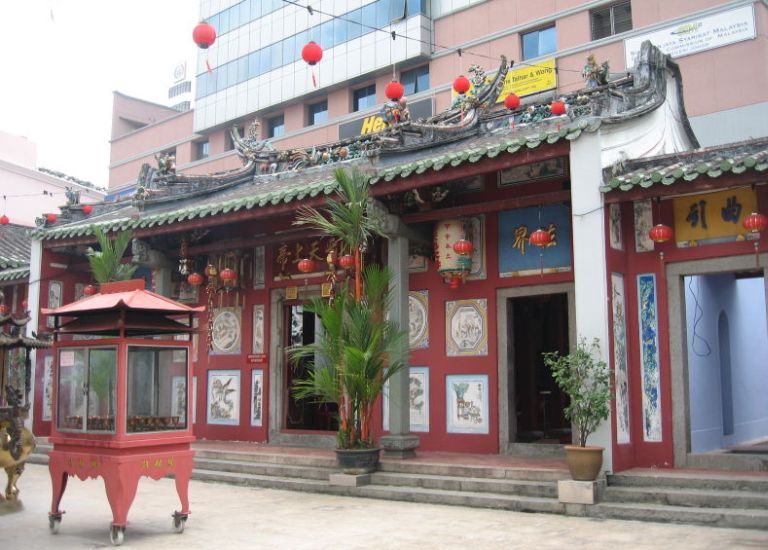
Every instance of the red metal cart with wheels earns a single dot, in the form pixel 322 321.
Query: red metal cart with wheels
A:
pixel 121 401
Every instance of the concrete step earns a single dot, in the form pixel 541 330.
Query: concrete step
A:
pixel 516 503
pixel 690 480
pixel 545 489
pixel 466 471
pixel 714 517
pixel 263 468
pixel 694 498
pixel 268 458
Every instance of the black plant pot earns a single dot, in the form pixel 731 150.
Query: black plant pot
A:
pixel 358 461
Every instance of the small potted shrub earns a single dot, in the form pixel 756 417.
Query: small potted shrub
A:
pixel 587 382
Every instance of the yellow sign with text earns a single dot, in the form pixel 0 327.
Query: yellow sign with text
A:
pixel 712 217
pixel 530 80
pixel 525 80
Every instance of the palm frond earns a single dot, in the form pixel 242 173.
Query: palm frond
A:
pixel 107 263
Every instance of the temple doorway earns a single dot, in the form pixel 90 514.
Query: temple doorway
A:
pixel 301 327
pixel 533 320
pixel 539 324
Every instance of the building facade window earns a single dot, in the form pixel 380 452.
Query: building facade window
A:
pixel 364 98
pixel 346 26
pixel 611 20
pixel 416 80
pixel 539 42
pixel 202 149
pixel 317 113
pixel 180 88
pixel 276 126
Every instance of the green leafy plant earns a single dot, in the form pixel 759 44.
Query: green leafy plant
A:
pixel 587 382
pixel 107 263
pixel 358 350
pixel 353 356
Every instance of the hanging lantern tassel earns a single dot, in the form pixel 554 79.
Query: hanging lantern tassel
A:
pixel 755 223
pixel 312 53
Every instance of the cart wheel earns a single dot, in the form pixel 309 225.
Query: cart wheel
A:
pixel 116 535
pixel 53 523
pixel 179 523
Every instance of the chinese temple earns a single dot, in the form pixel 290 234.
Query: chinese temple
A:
pixel 591 215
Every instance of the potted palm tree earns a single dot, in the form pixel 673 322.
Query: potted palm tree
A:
pixel 358 349
pixel 586 380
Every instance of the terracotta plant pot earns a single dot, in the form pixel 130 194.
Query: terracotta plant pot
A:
pixel 584 463
pixel 358 461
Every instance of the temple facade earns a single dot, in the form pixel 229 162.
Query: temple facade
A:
pixel 681 321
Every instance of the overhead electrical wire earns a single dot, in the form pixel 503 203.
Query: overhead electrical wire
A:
pixel 459 50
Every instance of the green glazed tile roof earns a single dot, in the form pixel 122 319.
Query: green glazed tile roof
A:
pixel 712 162
pixel 286 188
pixel 14 274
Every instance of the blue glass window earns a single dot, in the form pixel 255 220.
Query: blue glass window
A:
pixel 277 55
pixel 326 35
pixel 369 17
pixel 223 22
pixel 415 80
pixel 340 29
pixel 382 13
pixel 242 69
pixel 364 98
pixel 276 126
pixel 317 113
pixel 539 42
pixel 289 49
pixel 354 29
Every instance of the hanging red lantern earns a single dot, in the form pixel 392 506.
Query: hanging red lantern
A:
pixel 540 238
pixel 461 84
pixel 512 102
pixel 394 90
pixel 557 108
pixel 754 223
pixel 195 279
pixel 51 218
pixel 306 265
pixel 455 282
pixel 4 220
pixel 660 233
pixel 4 309
pixel 204 35
pixel 312 53
pixel 90 290
pixel 24 305
pixel 347 261
pixel 228 274
pixel 87 209
pixel 463 247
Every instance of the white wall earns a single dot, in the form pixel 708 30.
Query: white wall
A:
pixel 743 303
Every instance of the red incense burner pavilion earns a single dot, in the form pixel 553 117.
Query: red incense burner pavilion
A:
pixel 121 401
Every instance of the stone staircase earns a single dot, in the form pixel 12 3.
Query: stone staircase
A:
pixel 703 498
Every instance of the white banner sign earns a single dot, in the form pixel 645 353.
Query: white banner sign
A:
pixel 696 35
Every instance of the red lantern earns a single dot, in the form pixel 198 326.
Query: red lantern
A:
pixel 394 90
pixel 24 305
pixel 195 279
pixel 347 261
pixel 51 218
pixel 87 209
pixel 4 220
pixel 90 290
pixel 455 283
pixel 540 238
pixel 755 222
pixel 306 265
pixel 4 309
pixel 461 84
pixel 463 247
pixel 660 233
pixel 557 108
pixel 228 274
pixel 312 53
pixel 204 35
pixel 512 102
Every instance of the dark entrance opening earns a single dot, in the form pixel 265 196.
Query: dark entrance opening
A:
pixel 539 324
pixel 304 414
